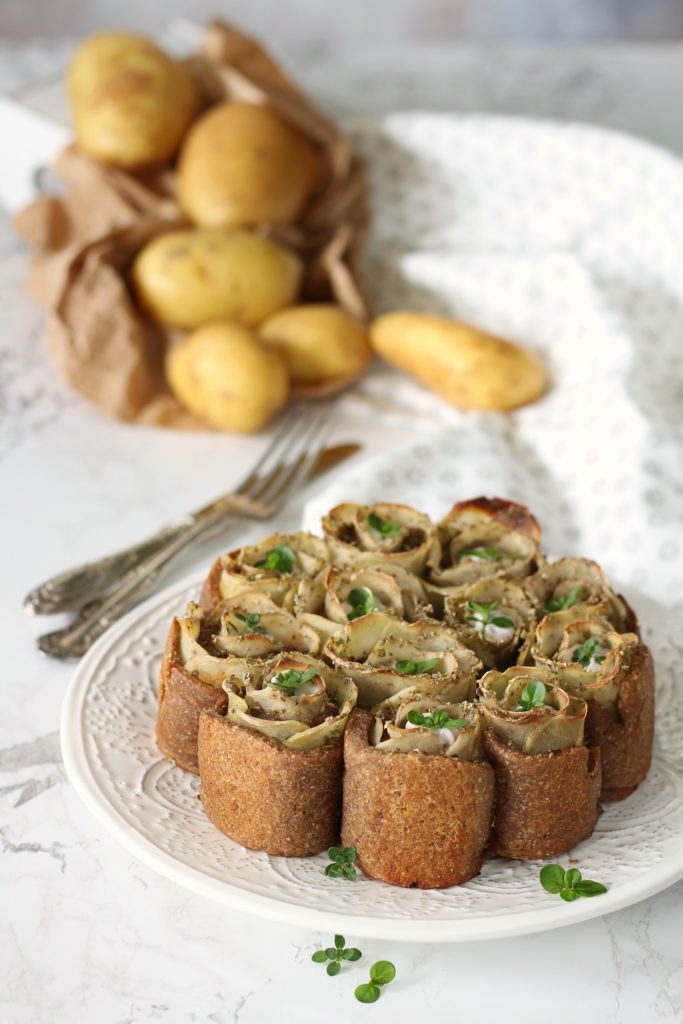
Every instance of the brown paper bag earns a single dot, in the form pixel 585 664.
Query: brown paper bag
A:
pixel 85 240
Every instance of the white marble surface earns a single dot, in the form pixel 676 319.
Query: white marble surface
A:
pixel 89 932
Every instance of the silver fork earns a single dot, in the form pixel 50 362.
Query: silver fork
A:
pixel 286 463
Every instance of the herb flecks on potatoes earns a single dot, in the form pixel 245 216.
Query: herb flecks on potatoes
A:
pixel 242 165
pixel 472 369
pixel 131 103
pixel 224 375
pixel 195 276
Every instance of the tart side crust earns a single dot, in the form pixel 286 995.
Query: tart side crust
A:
pixel 415 820
pixel 265 796
pixel 625 740
pixel 182 697
pixel 544 803
pixel 210 595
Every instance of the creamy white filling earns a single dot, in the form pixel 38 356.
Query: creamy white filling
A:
pixel 446 737
pixel 498 634
pixel 593 665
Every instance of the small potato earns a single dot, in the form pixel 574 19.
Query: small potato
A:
pixel 241 165
pixel 224 375
pixel 131 103
pixel 472 369
pixel 190 277
pixel 321 344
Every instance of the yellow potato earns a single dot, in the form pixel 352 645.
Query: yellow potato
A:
pixel 224 375
pixel 131 103
pixel 471 368
pixel 190 277
pixel 319 343
pixel 241 165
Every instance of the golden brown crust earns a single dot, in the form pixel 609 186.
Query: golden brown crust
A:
pixel 414 819
pixel 181 699
pixel 266 796
pixel 544 803
pixel 510 513
pixel 210 596
pixel 625 738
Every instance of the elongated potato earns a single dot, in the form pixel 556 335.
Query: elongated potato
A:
pixel 320 343
pixel 472 369
pixel 224 375
pixel 191 277
pixel 131 104
pixel 241 165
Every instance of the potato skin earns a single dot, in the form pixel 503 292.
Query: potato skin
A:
pixel 320 343
pixel 224 375
pixel 131 103
pixel 191 277
pixel 241 165
pixel 472 369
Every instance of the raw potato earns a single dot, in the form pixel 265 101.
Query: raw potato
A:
pixel 190 277
pixel 224 375
pixel 321 344
pixel 241 165
pixel 471 368
pixel 131 103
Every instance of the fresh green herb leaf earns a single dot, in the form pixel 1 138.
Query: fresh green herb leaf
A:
pixel 585 653
pixel 335 955
pixel 569 885
pixel 411 668
pixel 488 553
pixel 532 696
pixel 552 878
pixel 362 602
pixel 588 888
pixel 280 558
pixel 382 972
pixel 384 526
pixel 251 621
pixel 342 858
pixel 503 622
pixel 559 604
pixel 367 993
pixel 292 680
pixel 437 719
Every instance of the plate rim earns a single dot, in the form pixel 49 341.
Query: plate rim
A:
pixel 475 928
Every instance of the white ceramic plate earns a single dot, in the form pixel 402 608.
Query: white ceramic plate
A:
pixel 152 809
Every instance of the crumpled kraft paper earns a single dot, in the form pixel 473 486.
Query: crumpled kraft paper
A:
pixel 85 239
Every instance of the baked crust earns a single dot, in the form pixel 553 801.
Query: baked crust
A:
pixel 624 735
pixel 268 797
pixel 210 596
pixel 544 803
pixel 513 515
pixel 416 820
pixel 182 697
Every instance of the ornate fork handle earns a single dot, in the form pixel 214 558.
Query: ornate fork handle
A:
pixel 99 615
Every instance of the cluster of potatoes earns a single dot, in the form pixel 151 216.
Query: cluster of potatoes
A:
pixel 248 343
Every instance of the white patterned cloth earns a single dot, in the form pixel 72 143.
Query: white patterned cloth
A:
pixel 567 239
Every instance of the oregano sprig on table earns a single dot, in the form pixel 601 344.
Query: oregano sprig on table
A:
pixel 381 973
pixel 335 955
pixel 569 885
pixel 342 858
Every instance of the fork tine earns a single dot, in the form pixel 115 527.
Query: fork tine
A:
pixel 288 475
pixel 288 427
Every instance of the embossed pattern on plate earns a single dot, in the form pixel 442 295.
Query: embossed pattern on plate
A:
pixel 152 808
